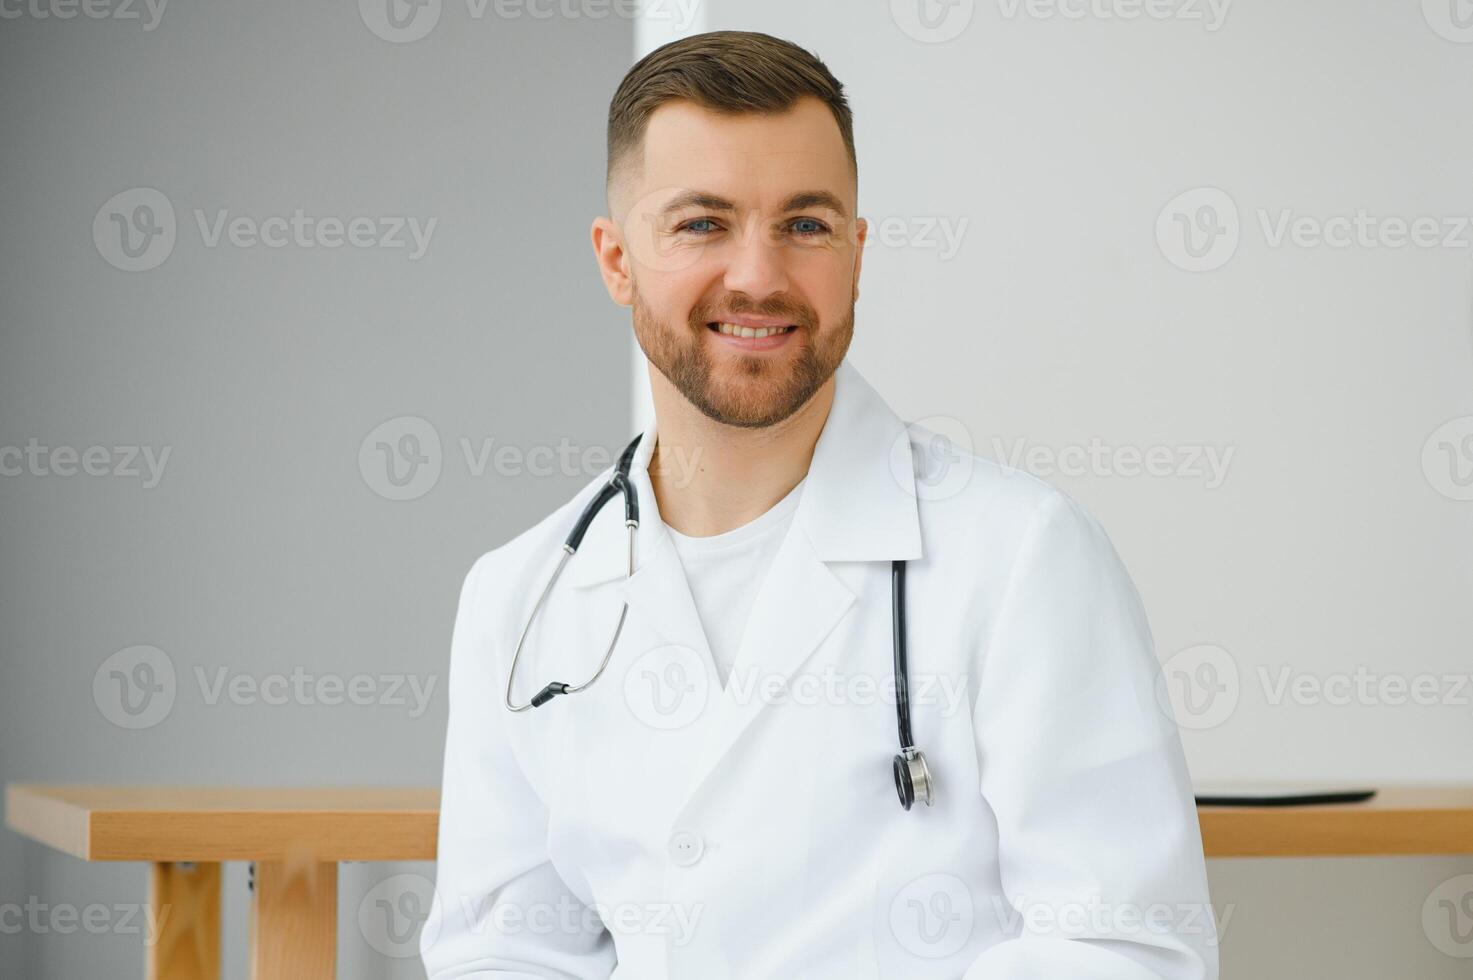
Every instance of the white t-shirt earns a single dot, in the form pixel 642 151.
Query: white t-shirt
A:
pixel 725 571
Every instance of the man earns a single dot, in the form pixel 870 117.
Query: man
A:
pixel 718 802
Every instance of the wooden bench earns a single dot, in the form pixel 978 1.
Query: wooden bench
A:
pixel 295 837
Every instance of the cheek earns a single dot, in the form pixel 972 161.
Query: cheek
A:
pixel 671 296
pixel 825 278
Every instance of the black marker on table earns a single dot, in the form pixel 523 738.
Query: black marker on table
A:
pixel 1281 796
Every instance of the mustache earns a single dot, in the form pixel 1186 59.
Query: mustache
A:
pixel 790 313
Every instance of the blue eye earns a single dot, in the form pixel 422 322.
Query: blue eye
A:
pixel 815 227
pixel 690 226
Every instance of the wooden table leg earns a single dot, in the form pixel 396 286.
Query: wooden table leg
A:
pixel 294 921
pixel 183 937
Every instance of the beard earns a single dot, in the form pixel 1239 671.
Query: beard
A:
pixel 750 391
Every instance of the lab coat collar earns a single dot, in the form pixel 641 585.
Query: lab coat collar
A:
pixel 859 503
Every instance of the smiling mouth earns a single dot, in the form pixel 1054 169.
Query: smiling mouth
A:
pixel 733 330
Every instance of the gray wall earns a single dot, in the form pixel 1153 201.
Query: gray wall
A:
pixel 264 549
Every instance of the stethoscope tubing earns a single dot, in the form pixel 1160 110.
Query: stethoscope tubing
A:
pixel 912 776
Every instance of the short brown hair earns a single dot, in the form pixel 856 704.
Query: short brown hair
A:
pixel 726 71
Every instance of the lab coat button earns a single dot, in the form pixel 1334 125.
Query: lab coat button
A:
pixel 686 847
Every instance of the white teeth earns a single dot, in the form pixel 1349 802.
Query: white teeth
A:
pixel 736 331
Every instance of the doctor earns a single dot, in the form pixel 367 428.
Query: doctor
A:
pixel 716 795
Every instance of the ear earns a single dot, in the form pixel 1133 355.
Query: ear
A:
pixel 613 260
pixel 861 232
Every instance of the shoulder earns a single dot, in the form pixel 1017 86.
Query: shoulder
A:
pixel 1004 529
pixel 961 491
pixel 501 578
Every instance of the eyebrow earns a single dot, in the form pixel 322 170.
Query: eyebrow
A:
pixel 796 202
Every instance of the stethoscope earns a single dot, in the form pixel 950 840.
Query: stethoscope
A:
pixel 912 776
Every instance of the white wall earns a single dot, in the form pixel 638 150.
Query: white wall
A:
pixel 1053 146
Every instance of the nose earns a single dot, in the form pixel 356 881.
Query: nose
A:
pixel 756 265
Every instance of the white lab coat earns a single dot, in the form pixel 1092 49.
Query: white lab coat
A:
pixel 658 825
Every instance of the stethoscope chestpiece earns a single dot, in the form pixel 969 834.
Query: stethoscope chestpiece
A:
pixel 912 778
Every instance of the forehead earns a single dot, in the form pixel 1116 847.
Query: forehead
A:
pixel 753 158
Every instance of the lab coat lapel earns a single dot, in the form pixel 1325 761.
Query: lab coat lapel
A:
pixel 660 598
pixel 859 504
pixel 799 603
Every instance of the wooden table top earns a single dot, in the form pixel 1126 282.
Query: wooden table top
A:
pixel 1426 819
pixel 144 823
pixel 166 823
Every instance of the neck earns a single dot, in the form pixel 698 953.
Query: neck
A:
pixel 710 478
